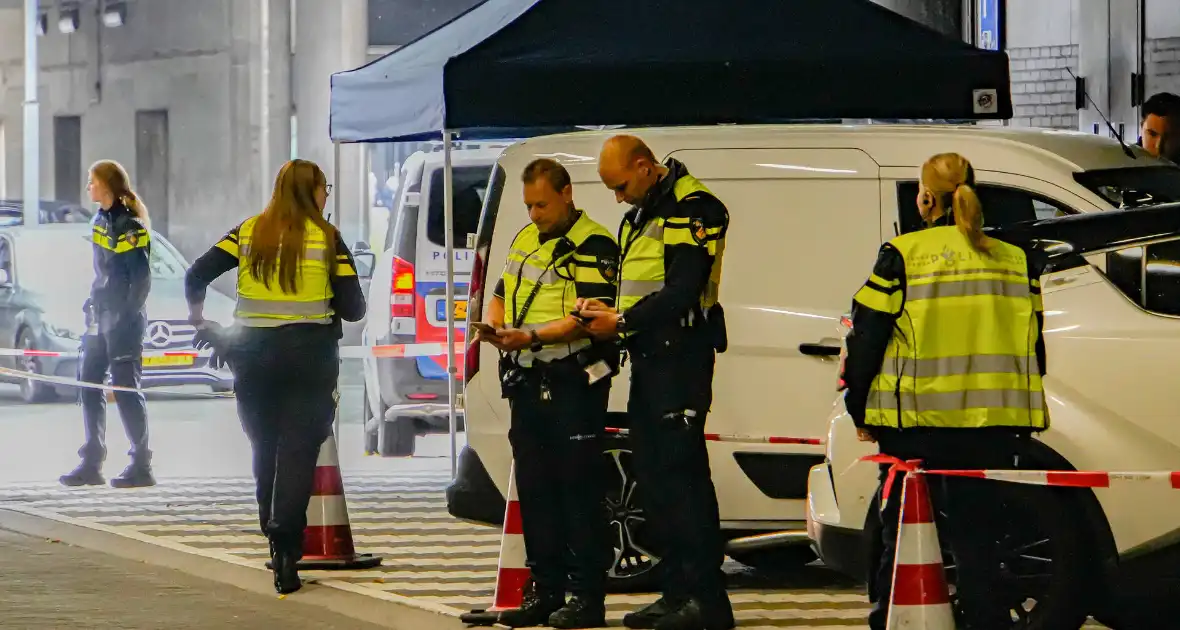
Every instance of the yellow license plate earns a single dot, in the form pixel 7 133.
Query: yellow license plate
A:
pixel 180 360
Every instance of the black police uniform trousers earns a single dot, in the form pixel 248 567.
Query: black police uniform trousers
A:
pixel 557 449
pixel 968 514
pixel 285 381
pixel 671 391
pixel 119 351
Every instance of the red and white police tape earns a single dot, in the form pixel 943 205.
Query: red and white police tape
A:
pixel 1056 478
pixel 743 439
pixel 348 352
pixel 395 351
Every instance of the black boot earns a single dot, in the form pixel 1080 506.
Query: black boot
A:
pixel 645 618
pixel 286 572
pixel 134 476
pixel 580 611
pixel 84 475
pixel 692 616
pixel 533 611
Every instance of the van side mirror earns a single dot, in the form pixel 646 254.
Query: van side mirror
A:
pixel 365 261
pixel 361 246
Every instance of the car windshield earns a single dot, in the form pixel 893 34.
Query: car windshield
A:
pixel 1134 187
pixel 73 251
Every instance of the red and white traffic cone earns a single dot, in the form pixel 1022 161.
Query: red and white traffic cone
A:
pixel 921 599
pixel 327 540
pixel 512 574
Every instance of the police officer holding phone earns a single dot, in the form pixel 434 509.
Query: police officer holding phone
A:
pixel 673 242
pixel 557 381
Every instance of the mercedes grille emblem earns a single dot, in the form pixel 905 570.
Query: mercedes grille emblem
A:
pixel 159 334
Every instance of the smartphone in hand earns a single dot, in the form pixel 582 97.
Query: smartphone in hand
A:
pixel 484 330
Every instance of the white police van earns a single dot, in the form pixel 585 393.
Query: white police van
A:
pixel 407 397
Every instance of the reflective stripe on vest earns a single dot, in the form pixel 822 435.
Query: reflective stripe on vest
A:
pixel 642 270
pixel 531 262
pixel 963 354
pixel 260 307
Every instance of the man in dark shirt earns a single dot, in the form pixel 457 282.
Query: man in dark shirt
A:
pixel 672 241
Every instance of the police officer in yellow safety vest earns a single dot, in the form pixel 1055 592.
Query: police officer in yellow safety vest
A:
pixel 296 281
pixel 557 381
pixel 944 364
pixel 672 241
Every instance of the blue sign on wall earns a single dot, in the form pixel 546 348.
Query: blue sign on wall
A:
pixel 987 20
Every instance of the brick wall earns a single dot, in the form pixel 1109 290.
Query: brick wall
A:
pixel 1042 90
pixel 1163 65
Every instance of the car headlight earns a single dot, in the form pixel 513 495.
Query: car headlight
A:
pixel 63 332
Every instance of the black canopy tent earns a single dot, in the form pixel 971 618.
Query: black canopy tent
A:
pixel 553 63
pixel 508 68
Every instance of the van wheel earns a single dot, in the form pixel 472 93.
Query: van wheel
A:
pixel 397 437
pixel 1045 564
pixel 635 556
pixel 786 558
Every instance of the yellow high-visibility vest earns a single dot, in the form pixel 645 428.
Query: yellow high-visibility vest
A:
pixel 259 306
pixel 531 263
pixel 642 269
pixel 963 352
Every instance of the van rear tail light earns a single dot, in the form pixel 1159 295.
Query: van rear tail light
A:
pixel 846 322
pixel 401 290
pixel 474 313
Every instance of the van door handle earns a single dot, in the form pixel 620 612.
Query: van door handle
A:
pixel 819 350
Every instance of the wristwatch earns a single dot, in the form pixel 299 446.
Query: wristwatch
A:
pixel 536 345
pixel 621 324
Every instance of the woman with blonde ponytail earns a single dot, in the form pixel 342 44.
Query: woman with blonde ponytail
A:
pixel 116 317
pixel 944 365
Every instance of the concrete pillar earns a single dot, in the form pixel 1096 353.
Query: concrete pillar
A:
pixel 329 37
pixel 944 16
pixel 1093 20
pixel 260 75
pixel 1126 58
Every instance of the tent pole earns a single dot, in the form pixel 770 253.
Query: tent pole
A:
pixel 336 222
pixel 449 240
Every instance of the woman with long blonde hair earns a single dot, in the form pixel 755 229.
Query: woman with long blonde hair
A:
pixel 944 365
pixel 116 317
pixel 296 281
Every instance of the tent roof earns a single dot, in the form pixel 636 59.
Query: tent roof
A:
pixel 511 67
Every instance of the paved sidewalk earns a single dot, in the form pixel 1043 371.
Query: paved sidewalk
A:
pixel 46 585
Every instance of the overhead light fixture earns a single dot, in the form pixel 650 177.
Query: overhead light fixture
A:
pixel 67 18
pixel 114 14
pixel 42 23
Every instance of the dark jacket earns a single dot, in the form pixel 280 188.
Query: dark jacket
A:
pixel 686 267
pixel 122 269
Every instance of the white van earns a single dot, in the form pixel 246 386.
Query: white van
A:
pixel 809 208
pixel 407 397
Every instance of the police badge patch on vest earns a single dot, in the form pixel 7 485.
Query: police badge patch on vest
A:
pixel 699 233
pixel 610 269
